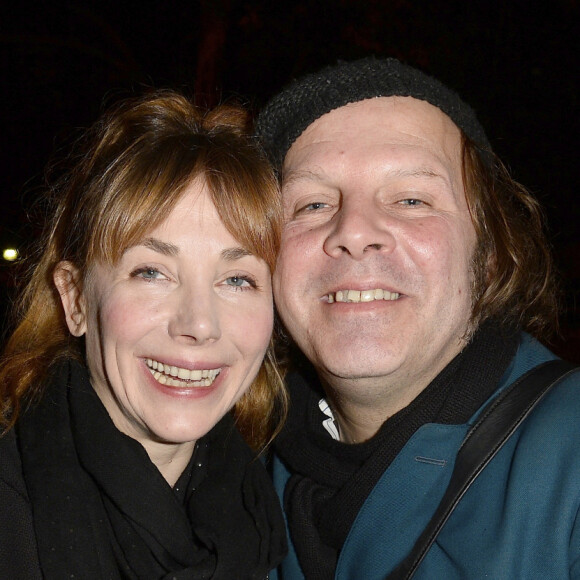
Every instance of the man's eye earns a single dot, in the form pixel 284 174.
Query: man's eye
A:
pixel 411 201
pixel 312 207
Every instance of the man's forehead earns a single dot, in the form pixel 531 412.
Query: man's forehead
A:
pixel 367 124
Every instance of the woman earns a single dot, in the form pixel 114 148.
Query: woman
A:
pixel 144 323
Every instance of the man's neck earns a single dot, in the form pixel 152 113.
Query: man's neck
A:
pixel 362 404
pixel 360 413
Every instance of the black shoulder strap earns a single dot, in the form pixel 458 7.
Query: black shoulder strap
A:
pixel 494 427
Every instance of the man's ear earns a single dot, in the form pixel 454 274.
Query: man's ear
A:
pixel 67 281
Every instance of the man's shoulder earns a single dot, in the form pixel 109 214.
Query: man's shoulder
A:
pixel 556 419
pixel 529 354
pixel 559 410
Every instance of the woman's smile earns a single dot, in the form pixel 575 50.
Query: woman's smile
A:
pixel 174 376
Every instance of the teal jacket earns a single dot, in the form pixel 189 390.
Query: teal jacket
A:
pixel 519 520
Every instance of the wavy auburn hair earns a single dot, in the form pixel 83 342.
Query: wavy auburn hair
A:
pixel 129 171
pixel 514 279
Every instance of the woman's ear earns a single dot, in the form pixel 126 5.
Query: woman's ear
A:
pixel 67 281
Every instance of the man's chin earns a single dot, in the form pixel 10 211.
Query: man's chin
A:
pixel 348 371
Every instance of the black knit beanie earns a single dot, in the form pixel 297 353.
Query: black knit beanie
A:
pixel 290 112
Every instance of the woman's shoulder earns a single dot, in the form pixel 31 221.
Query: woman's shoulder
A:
pixel 18 553
pixel 11 478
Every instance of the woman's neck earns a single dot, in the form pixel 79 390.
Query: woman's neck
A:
pixel 171 459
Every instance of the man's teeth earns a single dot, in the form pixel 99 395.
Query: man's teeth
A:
pixel 362 295
pixel 173 376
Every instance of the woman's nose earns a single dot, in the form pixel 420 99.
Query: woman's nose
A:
pixel 195 316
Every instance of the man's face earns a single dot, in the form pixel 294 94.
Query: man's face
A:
pixel 374 276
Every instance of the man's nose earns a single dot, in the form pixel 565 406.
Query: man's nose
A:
pixel 195 316
pixel 359 228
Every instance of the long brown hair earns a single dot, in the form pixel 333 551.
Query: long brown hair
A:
pixel 514 279
pixel 128 173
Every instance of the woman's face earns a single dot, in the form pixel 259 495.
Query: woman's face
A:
pixel 176 331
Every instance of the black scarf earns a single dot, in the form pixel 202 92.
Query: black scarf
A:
pixel 331 480
pixel 102 509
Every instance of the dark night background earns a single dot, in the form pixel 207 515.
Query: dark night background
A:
pixel 515 62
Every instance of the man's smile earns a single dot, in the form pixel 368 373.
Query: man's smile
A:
pixel 361 295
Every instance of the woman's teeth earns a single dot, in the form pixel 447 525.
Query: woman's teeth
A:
pixel 362 295
pixel 173 376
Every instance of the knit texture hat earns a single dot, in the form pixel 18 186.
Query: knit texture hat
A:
pixel 290 112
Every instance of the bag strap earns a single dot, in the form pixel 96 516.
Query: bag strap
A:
pixel 497 423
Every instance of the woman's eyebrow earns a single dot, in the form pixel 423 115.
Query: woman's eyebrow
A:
pixel 233 254
pixel 167 249
pixel 157 245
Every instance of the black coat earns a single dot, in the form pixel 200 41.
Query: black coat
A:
pixel 102 509
pixel 18 554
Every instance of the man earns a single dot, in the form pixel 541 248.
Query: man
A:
pixel 412 276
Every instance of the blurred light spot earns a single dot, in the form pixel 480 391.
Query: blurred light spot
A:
pixel 10 254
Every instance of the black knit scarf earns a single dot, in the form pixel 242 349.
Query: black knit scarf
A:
pixel 102 510
pixel 331 480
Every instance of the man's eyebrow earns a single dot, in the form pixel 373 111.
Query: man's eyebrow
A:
pixel 418 172
pixel 319 175
pixel 157 245
pixel 290 176
pixel 233 254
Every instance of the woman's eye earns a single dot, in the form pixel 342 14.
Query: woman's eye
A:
pixel 147 273
pixel 315 205
pixel 241 282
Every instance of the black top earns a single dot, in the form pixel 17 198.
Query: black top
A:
pixel 103 510
pixel 18 556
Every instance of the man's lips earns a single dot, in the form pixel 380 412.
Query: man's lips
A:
pixel 361 295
